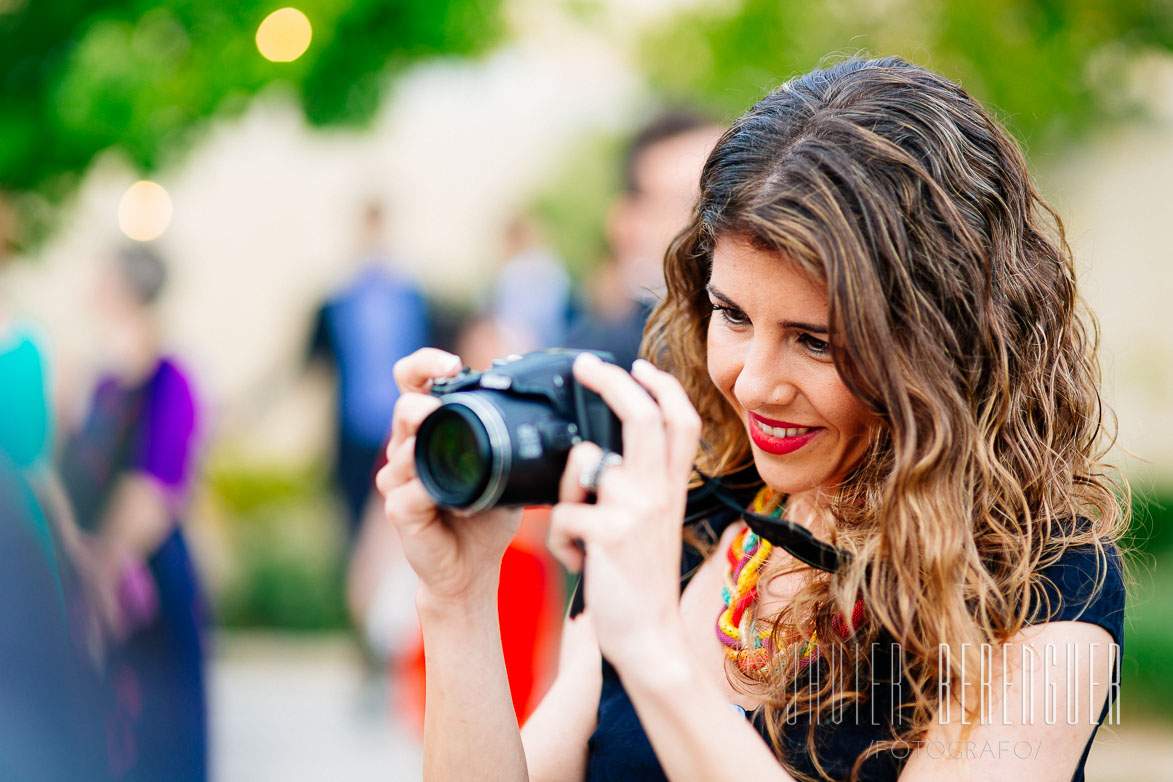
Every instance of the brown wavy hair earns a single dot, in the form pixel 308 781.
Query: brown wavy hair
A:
pixel 956 319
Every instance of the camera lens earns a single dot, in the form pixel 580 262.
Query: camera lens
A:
pixel 462 453
pixel 454 455
pixel 501 437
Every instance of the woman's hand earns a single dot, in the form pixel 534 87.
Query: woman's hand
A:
pixel 631 538
pixel 456 557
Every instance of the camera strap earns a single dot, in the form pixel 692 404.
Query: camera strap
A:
pixel 794 538
pixel 734 492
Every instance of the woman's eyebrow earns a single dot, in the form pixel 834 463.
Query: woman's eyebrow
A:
pixel 716 294
pixel 786 324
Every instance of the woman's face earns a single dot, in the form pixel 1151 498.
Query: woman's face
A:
pixel 769 355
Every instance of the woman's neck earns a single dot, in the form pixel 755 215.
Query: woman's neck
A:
pixel 138 349
pixel 809 509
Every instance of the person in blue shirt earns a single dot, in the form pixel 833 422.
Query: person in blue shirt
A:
pixel 872 331
pixel 376 318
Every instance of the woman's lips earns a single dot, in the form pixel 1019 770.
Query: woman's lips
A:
pixel 779 437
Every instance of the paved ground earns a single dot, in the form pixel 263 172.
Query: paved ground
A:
pixel 294 709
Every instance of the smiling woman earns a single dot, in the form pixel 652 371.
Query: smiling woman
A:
pixel 778 376
pixel 871 330
pixel 870 257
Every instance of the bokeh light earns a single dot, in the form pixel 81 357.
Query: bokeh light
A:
pixel 284 35
pixel 144 211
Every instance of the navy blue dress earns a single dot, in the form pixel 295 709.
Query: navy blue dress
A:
pixel 619 749
pixel 157 711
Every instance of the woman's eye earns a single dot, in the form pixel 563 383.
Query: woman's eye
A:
pixel 731 316
pixel 816 346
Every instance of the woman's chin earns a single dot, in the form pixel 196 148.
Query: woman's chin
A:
pixel 783 480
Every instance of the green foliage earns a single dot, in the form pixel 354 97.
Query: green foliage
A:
pixel 575 201
pixel 1050 68
pixel 285 535
pixel 1152 523
pixel 1147 678
pixel 289 575
pixel 241 490
pixel 144 76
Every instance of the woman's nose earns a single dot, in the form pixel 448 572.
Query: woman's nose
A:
pixel 765 378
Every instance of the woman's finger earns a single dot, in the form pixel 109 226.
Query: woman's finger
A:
pixel 570 525
pixel 383 480
pixel 410 507
pixel 582 456
pixel 682 424
pixel 400 467
pixel 410 411
pixel 643 424
pixel 414 373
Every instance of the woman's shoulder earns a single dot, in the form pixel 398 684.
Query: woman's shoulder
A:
pixel 170 371
pixel 1082 582
pixel 171 388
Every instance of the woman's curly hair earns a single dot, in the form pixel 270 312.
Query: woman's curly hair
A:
pixel 955 318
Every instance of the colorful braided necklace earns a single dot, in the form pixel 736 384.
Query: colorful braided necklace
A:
pixel 745 643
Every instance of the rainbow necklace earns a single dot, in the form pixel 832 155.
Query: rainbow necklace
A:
pixel 745 643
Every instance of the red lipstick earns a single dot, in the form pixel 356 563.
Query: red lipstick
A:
pixel 771 443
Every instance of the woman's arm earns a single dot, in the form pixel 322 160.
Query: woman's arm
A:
pixel 696 733
pixel 470 731
pixel 138 517
pixel 469 707
pixel 630 554
pixel 556 734
pixel 1040 709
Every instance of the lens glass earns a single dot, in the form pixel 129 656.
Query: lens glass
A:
pixel 455 457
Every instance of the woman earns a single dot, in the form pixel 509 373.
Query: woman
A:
pixel 875 316
pixel 128 470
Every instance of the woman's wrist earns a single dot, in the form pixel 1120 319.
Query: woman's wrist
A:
pixel 656 658
pixel 662 679
pixel 471 600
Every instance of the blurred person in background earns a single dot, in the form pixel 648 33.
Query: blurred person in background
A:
pixel 35 657
pixel 52 713
pixel 531 597
pixel 26 436
pixel 531 295
pixel 51 645
pixel 378 316
pixel 25 431
pixel 128 470
pixel 661 168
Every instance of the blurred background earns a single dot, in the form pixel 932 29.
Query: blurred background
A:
pixel 213 215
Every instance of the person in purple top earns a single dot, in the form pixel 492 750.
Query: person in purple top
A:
pixel 128 470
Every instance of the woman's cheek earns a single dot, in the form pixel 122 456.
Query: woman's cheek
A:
pixel 850 417
pixel 725 361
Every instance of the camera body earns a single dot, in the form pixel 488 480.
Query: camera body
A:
pixel 501 437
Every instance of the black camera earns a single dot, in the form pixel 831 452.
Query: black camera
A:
pixel 501 437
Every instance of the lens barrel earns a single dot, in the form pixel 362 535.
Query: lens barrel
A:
pixel 462 452
pixel 485 448
pixel 502 436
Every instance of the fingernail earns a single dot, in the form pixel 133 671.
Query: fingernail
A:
pixel 641 365
pixel 587 358
pixel 451 363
